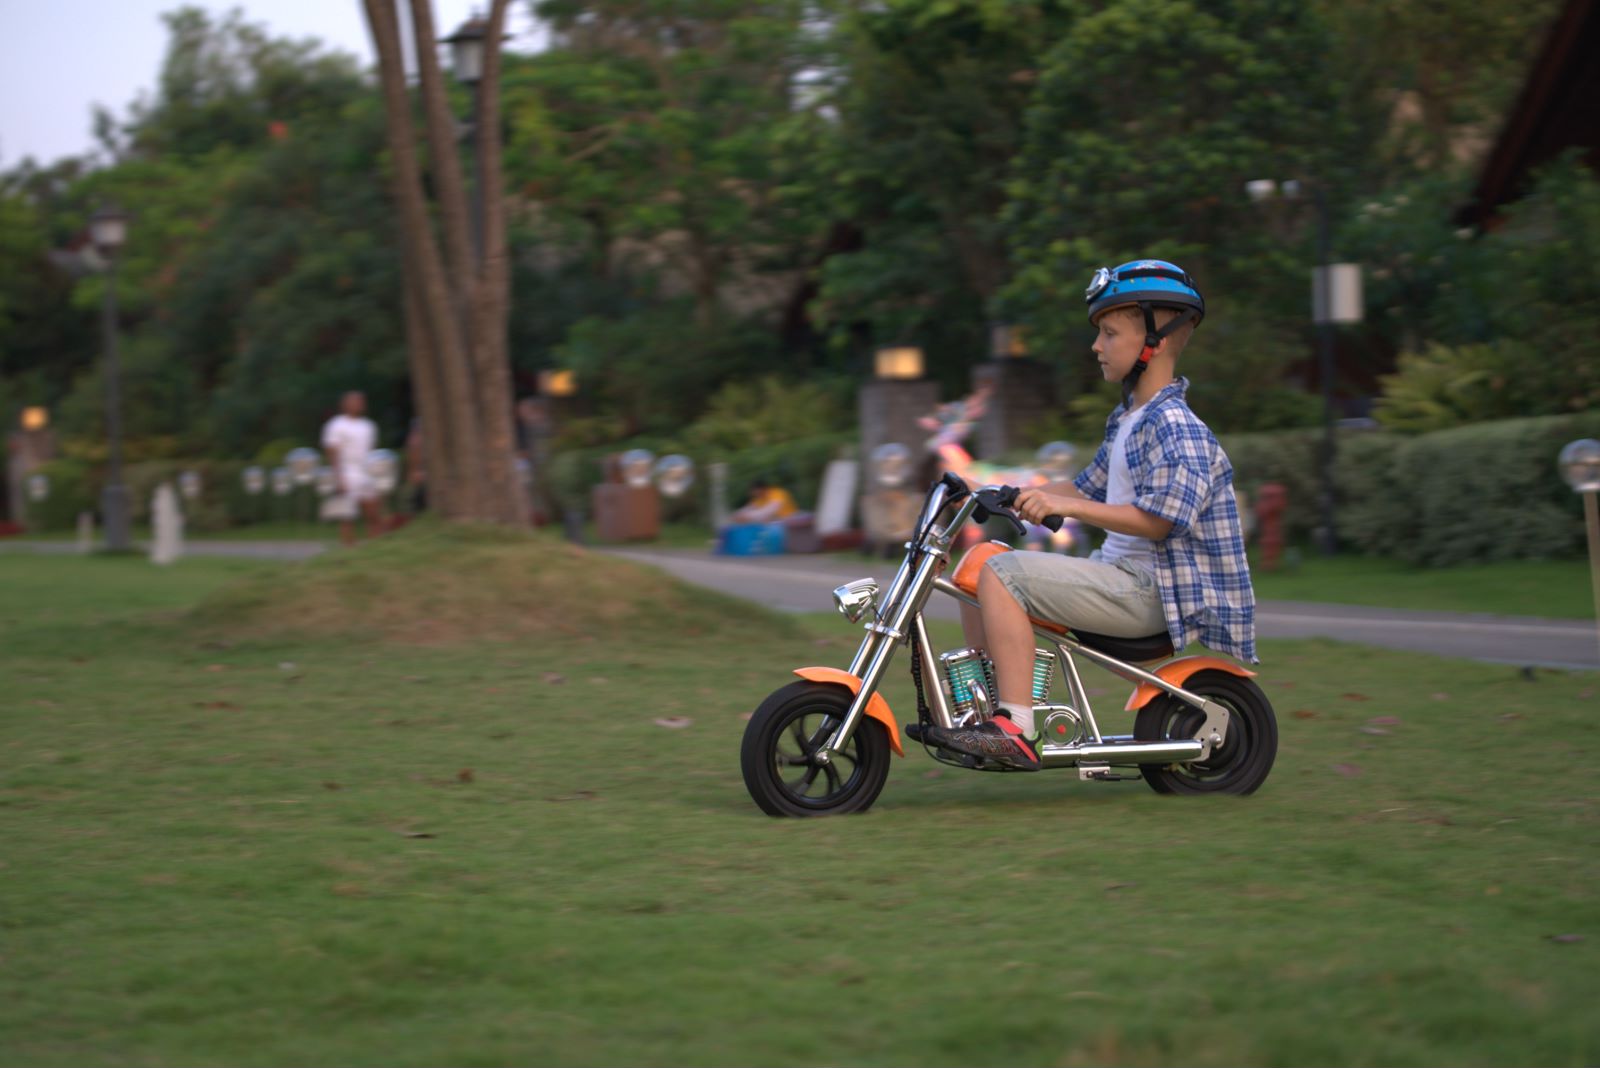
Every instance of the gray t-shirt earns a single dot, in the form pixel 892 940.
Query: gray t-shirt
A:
pixel 1119 490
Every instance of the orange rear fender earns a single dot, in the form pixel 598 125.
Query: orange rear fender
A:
pixel 1177 672
pixel 877 707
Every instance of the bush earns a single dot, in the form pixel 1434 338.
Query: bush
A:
pixel 75 487
pixel 1472 494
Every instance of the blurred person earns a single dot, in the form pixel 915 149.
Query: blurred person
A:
pixel 533 426
pixel 416 467
pixel 348 439
pixel 769 502
pixel 1160 486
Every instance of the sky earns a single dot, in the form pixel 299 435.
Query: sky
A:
pixel 59 58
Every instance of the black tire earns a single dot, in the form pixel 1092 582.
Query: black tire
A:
pixel 786 729
pixel 1240 765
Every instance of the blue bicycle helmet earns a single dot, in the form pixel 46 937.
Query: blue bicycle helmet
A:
pixel 1147 285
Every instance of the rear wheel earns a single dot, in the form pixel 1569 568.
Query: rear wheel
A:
pixel 780 744
pixel 1240 764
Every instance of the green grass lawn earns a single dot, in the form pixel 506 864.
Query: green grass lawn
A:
pixel 226 846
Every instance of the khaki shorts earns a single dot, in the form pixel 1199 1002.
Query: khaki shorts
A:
pixel 1118 600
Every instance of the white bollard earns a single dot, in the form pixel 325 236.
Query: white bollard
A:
pixel 167 518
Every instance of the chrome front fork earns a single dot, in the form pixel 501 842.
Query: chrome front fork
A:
pixel 878 648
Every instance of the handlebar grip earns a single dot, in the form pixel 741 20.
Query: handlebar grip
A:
pixel 1052 523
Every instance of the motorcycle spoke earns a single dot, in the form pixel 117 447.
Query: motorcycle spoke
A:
pixel 799 733
pixel 803 786
pixel 834 782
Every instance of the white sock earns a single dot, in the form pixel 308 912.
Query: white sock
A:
pixel 1021 715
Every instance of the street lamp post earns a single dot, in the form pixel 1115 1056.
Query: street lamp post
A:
pixel 108 229
pixel 1580 468
pixel 466 64
pixel 1335 298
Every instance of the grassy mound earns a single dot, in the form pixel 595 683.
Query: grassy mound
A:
pixel 435 583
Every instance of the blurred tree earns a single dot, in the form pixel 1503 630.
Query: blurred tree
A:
pixel 930 101
pixel 1149 118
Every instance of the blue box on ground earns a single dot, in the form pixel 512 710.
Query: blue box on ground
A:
pixel 751 539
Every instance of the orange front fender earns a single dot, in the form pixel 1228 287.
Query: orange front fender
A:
pixel 1177 672
pixel 877 707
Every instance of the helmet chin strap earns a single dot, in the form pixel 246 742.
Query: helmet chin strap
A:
pixel 1152 341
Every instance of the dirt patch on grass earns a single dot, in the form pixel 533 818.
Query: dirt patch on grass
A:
pixel 437 584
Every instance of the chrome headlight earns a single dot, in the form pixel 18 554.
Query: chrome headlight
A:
pixel 855 599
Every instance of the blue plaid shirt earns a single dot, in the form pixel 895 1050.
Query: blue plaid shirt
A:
pixel 1181 474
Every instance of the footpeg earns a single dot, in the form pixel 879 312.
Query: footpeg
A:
pixel 1100 773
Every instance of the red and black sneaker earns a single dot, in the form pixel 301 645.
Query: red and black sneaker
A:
pixel 998 740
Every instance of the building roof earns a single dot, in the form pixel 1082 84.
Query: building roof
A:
pixel 1558 109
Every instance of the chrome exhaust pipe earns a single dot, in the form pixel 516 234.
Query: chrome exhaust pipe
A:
pixel 1116 751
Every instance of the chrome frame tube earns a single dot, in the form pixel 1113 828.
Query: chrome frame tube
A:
pixel 1080 696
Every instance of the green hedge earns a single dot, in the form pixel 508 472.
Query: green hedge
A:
pixel 223 503
pixel 1472 494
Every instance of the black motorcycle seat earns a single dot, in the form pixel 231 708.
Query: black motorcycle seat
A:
pixel 1150 647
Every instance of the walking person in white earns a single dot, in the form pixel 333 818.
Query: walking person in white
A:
pixel 347 439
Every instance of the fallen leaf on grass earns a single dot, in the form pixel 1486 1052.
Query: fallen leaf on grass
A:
pixel 288 665
pixel 1440 696
pixel 580 795
pixel 1511 715
pixel 933 773
pixel 414 834
pixel 674 723
pixel 554 678
pixel 1373 730
pixel 1355 697
pixel 599 680
pixel 1349 771
pixel 332 786
pixel 1303 713
pixel 747 716
pixel 1491 891
pixel 217 705
pixel 464 775
pixel 1118 886
pixel 216 667
pixel 1565 939
pixel 1385 721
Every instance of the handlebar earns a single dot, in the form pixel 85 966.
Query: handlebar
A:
pixel 1001 501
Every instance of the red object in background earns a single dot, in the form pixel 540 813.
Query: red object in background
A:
pixel 1271 500
pixel 8 529
pixel 278 130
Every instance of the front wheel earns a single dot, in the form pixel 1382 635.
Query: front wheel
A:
pixel 780 742
pixel 1240 764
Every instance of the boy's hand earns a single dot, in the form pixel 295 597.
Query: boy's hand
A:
pixel 1035 504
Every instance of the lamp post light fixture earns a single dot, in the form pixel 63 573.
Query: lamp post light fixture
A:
pixel 35 418
pixel 466 50
pixel 108 231
pixel 901 362
pixel 557 383
pixel 1580 468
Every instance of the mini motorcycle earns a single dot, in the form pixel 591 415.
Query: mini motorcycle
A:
pixel 821 746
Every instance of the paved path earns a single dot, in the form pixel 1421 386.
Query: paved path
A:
pixel 805 584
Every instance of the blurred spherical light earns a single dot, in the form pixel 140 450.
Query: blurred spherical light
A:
pixel 189 485
pixel 327 482
pixel 890 465
pixel 282 481
pixel 1580 465
pixel 254 478
pixel 635 465
pixel 383 467
pixel 302 464
pixel 674 475
pixel 1054 460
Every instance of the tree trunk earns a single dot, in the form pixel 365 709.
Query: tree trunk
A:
pixel 456 320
